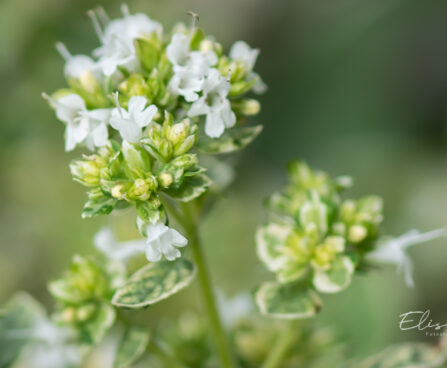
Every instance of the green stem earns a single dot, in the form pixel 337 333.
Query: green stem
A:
pixel 282 346
pixel 165 355
pixel 189 223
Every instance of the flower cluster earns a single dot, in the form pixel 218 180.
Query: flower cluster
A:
pixel 83 295
pixel 315 234
pixel 146 103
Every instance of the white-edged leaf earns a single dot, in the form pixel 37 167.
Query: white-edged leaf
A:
pixel 287 301
pixel 132 347
pixel 154 282
pixel 268 239
pixel 232 140
pixel 337 278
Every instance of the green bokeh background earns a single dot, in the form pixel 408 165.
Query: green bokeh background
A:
pixel 356 87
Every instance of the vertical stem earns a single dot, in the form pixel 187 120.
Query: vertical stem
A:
pixel 281 348
pixel 206 291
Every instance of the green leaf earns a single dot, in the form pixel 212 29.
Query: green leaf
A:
pixel 287 301
pixel 148 51
pixel 97 206
pixel 415 355
pixel 191 188
pixel 337 278
pixel 197 37
pixel 136 158
pixel 19 314
pixel 232 140
pixel 269 239
pixel 96 328
pixel 132 346
pixel 154 282
pixel 148 213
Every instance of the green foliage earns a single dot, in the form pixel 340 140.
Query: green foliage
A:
pixel 287 301
pixel 132 346
pixel 83 295
pixel 415 355
pixel 316 237
pixel 231 141
pixel 154 282
pixel 17 319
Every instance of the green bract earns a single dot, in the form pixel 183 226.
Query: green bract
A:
pixel 316 238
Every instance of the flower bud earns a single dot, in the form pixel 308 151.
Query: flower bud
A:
pixel 118 191
pixel 250 107
pixel 86 172
pixel 85 312
pixel 178 132
pixel 165 179
pixel 357 233
pixel 68 315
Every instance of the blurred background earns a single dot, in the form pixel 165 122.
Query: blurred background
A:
pixel 355 87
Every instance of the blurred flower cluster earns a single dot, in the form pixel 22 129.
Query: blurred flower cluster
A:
pixel 314 233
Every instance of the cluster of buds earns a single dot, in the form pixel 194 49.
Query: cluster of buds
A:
pixel 316 234
pixel 83 295
pixel 144 102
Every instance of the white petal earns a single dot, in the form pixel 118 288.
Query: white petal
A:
pixel 199 107
pixel 153 251
pixel 177 239
pixel 145 117
pixel 214 125
pixel 67 107
pixel 170 252
pixel 155 231
pixel 136 104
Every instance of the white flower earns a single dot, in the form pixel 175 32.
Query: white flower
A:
pixel 394 251
pixel 49 346
pixel 190 67
pixel 247 56
pixel 163 240
pixel 215 105
pixel 117 39
pixel 106 242
pixel 235 308
pixel 130 123
pixel 77 66
pixel 82 125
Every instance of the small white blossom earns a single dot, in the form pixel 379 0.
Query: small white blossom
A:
pixel 130 122
pixel 162 240
pixel 77 66
pixel 117 40
pixel 234 309
pixel 106 242
pixel 215 105
pixel 190 67
pixel 394 251
pixel 82 125
pixel 49 346
pixel 243 53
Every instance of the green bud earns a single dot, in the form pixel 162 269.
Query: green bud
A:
pixel 357 233
pixel 250 107
pixel 135 85
pixel 68 315
pixel 140 190
pixel 86 172
pixel 85 312
pixel 165 179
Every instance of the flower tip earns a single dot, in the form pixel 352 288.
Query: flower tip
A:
pixel 44 96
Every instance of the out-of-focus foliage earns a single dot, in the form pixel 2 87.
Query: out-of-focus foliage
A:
pixel 355 87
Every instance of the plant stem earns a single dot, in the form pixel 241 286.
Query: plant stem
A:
pixel 282 346
pixel 155 347
pixel 208 298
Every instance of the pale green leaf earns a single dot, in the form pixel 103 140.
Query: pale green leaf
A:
pixel 269 239
pixel 287 301
pixel 336 278
pixel 232 140
pixel 409 355
pixel 191 188
pixel 98 206
pixel 154 282
pixel 96 328
pixel 18 315
pixel 132 347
